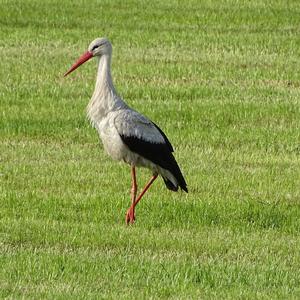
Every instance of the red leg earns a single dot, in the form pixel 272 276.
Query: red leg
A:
pixel 145 189
pixel 133 205
pixel 130 213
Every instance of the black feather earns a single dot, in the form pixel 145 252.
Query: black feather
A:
pixel 165 138
pixel 158 153
pixel 170 185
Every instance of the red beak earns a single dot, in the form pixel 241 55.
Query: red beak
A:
pixel 82 59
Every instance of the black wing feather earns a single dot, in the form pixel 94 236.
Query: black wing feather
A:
pixel 158 153
pixel 165 138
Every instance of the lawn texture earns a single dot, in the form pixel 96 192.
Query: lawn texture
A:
pixel 222 79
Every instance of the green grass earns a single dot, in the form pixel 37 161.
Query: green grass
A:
pixel 222 80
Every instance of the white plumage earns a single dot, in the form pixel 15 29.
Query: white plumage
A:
pixel 126 134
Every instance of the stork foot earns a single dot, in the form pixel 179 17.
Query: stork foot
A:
pixel 130 217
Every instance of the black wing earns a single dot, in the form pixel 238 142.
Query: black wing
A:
pixel 165 138
pixel 160 154
pixel 146 139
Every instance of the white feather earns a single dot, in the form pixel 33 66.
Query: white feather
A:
pixel 130 123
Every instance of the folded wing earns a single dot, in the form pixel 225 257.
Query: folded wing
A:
pixel 146 139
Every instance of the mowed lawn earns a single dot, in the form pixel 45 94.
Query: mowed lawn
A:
pixel 222 79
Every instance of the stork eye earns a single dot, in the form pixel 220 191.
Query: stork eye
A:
pixel 95 47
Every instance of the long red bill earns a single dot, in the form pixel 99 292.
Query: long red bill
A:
pixel 82 59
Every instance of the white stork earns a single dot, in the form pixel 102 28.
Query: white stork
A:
pixel 126 134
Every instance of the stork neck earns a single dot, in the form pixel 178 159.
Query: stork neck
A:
pixel 104 82
pixel 105 98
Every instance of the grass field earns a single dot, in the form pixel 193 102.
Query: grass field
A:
pixel 222 80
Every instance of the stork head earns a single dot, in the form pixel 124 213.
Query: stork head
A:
pixel 98 47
